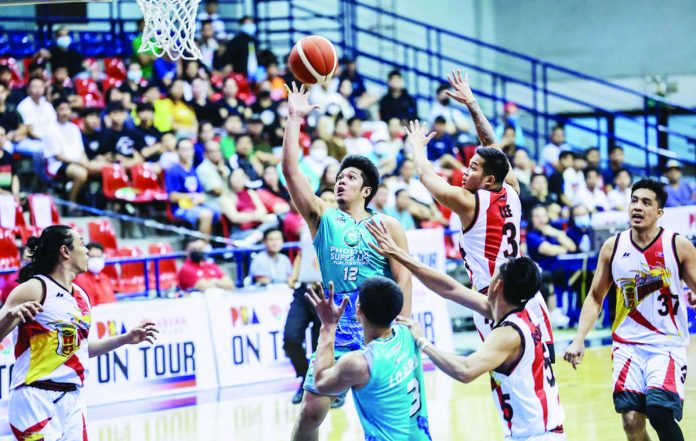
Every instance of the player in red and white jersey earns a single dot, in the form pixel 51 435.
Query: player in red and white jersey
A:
pixel 519 361
pixel 646 264
pixel 51 319
pixel 488 204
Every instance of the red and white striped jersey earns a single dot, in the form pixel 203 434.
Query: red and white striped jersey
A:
pixel 527 396
pixel 651 306
pixel 53 348
pixel 492 238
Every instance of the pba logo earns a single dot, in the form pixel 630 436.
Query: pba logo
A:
pixel 110 328
pixel 352 237
pixel 243 316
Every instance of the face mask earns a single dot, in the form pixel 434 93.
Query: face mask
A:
pixel 63 41
pixel 196 256
pixel 583 221
pixel 248 28
pixel 135 76
pixel 95 265
pixel 318 154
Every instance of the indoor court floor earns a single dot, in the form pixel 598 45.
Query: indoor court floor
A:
pixel 457 411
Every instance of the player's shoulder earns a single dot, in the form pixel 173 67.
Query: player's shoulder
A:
pixel 33 290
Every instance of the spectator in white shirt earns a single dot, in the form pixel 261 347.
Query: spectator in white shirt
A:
pixel 331 101
pixel 37 114
pixel 208 44
pixel 574 179
pixel 592 196
pixel 407 179
pixel 66 160
pixel 356 143
pixel 554 148
pixel 211 14
pixel 454 116
pixel 620 196
pixel 271 266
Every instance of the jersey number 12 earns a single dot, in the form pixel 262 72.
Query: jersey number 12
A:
pixel 350 273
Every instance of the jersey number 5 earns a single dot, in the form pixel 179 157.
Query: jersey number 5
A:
pixel 350 273
pixel 414 393
pixel 510 233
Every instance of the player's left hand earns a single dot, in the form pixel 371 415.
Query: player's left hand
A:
pixel 691 298
pixel 417 135
pixel 462 92
pixel 145 331
pixel 413 326
pixel 385 244
pixel 329 312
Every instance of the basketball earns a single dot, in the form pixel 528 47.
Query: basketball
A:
pixel 313 60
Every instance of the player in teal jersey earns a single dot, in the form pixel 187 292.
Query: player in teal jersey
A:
pixel 387 376
pixel 342 242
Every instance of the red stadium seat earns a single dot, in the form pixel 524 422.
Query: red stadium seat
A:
pixel 9 254
pixel 114 178
pixel 132 277
pixel 147 182
pixel 16 80
pixel 115 68
pixel 111 270
pixel 102 232
pixel 109 83
pixel 167 268
pixel 43 211
pixel 12 218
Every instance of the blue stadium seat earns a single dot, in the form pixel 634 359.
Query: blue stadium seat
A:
pixel 21 44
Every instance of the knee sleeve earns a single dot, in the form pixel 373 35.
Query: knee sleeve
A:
pixel 662 420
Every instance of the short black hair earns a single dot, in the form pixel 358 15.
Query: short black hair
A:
pixel 95 245
pixel 615 148
pixel 206 21
pixel 272 230
pixel 589 170
pixel 144 106
pixel 351 120
pixel 521 280
pixel 565 153
pixel 655 186
pixel 34 78
pixel 441 87
pixel 440 120
pixel 381 300
pixel 558 127
pixel 90 111
pixel 58 101
pixel 115 107
pixel 495 163
pixel 394 73
pixel 368 170
pixel 591 149
pixel 622 170
pixel 245 18
pixel 537 175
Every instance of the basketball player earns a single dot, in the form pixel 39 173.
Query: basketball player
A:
pixel 52 323
pixel 488 204
pixel 522 379
pixel 647 264
pixel 341 240
pixel 387 375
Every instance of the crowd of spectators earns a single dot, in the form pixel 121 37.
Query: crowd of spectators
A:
pixel 213 129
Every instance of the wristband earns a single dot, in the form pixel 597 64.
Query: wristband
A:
pixel 422 343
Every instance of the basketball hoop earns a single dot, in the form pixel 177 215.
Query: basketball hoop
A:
pixel 170 28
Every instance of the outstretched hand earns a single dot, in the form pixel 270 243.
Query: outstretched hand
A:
pixel 145 331
pixel 329 312
pixel 298 101
pixel 413 326
pixel 417 135
pixel 462 92
pixel 385 244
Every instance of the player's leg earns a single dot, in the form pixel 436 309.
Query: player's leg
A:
pixel 312 413
pixel 294 336
pixel 665 378
pixel 32 414
pixel 75 420
pixel 629 384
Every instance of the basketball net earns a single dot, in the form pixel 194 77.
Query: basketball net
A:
pixel 170 28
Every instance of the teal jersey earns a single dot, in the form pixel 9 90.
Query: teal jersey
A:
pixel 346 259
pixel 391 405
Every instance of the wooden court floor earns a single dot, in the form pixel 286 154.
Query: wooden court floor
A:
pixel 457 412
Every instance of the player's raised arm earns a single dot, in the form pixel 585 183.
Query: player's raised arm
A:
pixel 601 283
pixel 308 204
pixel 687 264
pixel 456 198
pixel 442 284
pixel 463 94
pixel 352 369
pixel 500 346
pixel 401 274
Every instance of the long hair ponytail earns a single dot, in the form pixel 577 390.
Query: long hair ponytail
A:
pixel 44 251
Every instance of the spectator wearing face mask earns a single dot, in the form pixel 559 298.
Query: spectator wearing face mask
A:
pixel 442 108
pixel 620 196
pixel 97 284
pixel 314 164
pixel 198 273
pixel 61 55
pixel 579 228
pixel 241 50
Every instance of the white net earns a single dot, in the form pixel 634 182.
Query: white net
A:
pixel 170 28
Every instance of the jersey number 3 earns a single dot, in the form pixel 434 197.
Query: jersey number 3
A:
pixel 414 393
pixel 510 233
pixel 350 273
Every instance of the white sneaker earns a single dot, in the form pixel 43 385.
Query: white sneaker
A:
pixel 558 319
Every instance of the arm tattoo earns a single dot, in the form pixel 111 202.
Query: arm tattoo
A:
pixel 483 127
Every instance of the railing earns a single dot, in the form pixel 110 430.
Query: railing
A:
pixel 607 115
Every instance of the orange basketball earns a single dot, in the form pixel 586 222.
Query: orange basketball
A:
pixel 313 60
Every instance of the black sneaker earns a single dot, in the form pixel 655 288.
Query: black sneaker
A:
pixel 338 402
pixel 297 398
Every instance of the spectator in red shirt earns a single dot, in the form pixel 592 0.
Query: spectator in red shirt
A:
pixel 200 274
pixel 94 281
